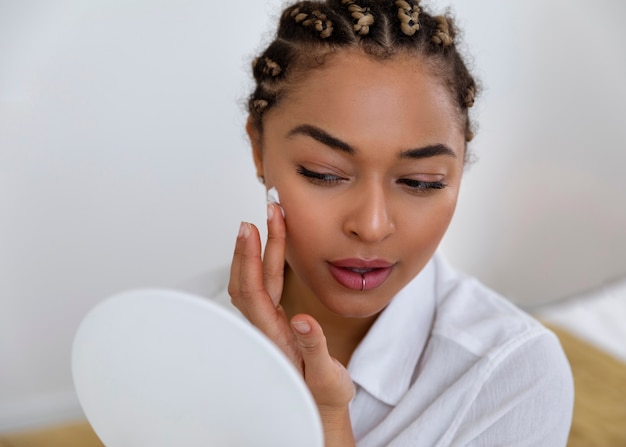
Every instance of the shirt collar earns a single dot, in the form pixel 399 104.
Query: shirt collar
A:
pixel 385 360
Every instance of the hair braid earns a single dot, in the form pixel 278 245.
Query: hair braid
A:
pixel 444 33
pixel 362 17
pixel 408 14
pixel 309 31
pixel 315 19
pixel 470 96
pixel 264 66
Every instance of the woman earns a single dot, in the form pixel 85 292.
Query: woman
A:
pixel 359 121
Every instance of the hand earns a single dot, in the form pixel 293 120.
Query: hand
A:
pixel 255 287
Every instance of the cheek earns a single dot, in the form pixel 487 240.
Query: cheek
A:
pixel 307 236
pixel 306 218
pixel 443 211
pixel 426 225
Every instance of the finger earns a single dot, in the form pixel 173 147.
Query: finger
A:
pixel 327 379
pixel 246 281
pixel 312 343
pixel 235 265
pixel 246 272
pixel 274 257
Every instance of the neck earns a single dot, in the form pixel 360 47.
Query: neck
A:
pixel 343 334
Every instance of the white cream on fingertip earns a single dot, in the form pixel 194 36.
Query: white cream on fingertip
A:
pixel 273 197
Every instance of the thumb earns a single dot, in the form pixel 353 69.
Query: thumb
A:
pixel 327 379
pixel 312 343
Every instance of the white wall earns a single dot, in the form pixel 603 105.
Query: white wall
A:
pixel 543 213
pixel 123 161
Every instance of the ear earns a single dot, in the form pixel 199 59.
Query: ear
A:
pixel 256 143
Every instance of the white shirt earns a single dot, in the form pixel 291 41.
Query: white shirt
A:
pixel 451 363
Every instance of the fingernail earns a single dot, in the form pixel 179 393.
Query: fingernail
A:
pixel 270 211
pixel 302 327
pixel 244 230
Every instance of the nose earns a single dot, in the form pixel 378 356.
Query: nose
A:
pixel 368 215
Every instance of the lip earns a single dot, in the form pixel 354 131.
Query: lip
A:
pixel 375 272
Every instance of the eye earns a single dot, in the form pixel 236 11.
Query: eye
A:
pixel 319 178
pixel 420 186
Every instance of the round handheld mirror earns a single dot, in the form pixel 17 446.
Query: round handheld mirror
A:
pixel 161 368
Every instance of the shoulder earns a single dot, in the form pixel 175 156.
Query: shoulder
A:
pixel 487 374
pixel 481 324
pixel 518 370
pixel 477 318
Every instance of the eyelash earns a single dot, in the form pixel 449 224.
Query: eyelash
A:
pixel 319 178
pixel 417 186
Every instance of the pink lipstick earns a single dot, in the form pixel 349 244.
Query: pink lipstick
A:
pixel 359 274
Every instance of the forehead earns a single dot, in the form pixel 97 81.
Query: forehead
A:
pixel 386 101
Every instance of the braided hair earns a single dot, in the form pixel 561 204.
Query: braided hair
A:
pixel 308 31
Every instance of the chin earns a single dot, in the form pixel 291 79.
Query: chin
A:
pixel 353 304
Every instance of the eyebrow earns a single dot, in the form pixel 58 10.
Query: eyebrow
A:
pixel 432 150
pixel 323 137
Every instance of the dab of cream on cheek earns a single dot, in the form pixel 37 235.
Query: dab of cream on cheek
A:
pixel 272 197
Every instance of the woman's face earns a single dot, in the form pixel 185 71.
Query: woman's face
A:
pixel 367 157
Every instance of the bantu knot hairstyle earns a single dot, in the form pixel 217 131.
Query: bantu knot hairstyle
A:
pixel 310 30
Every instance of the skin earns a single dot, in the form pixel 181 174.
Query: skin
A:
pixel 352 123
